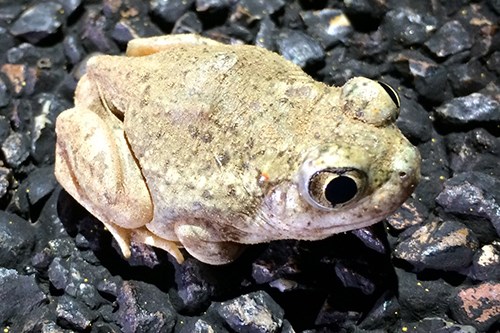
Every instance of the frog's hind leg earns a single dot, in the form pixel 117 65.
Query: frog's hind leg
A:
pixel 145 236
pixel 95 166
pixel 145 46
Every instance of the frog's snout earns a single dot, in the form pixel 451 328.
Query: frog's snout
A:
pixel 406 165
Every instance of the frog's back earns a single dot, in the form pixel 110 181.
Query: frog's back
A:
pixel 207 123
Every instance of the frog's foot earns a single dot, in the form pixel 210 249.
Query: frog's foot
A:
pixel 144 236
pixel 145 46
pixel 122 237
pixel 197 242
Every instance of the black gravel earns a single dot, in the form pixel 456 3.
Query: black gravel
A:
pixel 433 266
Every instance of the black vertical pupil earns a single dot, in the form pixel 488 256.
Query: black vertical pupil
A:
pixel 340 190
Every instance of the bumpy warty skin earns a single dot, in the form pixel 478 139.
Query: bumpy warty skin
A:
pixel 227 139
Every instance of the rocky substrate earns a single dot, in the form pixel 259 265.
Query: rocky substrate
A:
pixel 433 266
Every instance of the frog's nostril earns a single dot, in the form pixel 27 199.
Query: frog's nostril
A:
pixel 402 174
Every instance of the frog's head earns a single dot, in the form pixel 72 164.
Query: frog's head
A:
pixel 363 173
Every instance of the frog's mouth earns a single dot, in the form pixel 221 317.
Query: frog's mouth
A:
pixel 286 214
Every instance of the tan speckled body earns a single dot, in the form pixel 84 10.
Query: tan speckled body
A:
pixel 188 142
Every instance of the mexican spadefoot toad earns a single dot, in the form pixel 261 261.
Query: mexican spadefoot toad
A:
pixel 190 143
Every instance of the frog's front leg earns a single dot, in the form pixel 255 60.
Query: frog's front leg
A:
pixel 198 242
pixel 94 164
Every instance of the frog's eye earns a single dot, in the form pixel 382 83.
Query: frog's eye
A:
pixel 391 92
pixel 331 188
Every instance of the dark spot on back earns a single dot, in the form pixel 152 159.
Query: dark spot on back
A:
pixel 206 137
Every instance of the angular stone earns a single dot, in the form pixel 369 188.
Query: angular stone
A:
pixel 257 9
pixel 409 27
pixel 255 312
pixel 17 240
pixel 22 77
pixel 328 26
pixel 4 93
pixel 478 306
pixel 486 263
pixel 469 77
pixel 20 295
pixel 212 5
pixel 188 24
pixel 447 246
pixel 194 286
pixel 420 298
pixel 476 150
pixel 451 38
pixel 475 107
pixel 38 21
pixel 430 79
pixel 5 179
pixel 411 213
pixel 299 48
pixel 73 314
pixel 473 194
pixel 144 308
pixel 169 11
pixel 199 326
pixel 414 121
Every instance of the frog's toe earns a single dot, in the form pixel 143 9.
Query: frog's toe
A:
pixel 144 236
pixel 197 243
pixel 122 237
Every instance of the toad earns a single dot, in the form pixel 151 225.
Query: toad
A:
pixel 189 143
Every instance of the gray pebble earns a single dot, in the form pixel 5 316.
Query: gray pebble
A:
pixel 38 22
pixel 17 240
pixel 472 194
pixel 447 246
pixel 15 149
pixel 328 26
pixel 74 314
pixel 255 312
pixel 144 308
pixel 486 263
pixel 450 39
pixel 20 295
pixel 169 11
pixel 475 107
pixel 299 48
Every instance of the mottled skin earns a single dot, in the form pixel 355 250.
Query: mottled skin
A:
pixel 188 142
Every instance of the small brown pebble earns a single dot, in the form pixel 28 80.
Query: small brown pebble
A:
pixel 478 305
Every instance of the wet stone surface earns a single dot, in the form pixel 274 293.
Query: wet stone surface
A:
pixel 13 291
pixel 446 245
pixel 38 22
pixel 144 308
pixel 474 107
pixel 255 312
pixel 433 266
pixel 478 305
pixel 472 193
pixel 450 39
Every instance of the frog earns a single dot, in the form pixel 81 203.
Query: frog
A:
pixel 186 143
